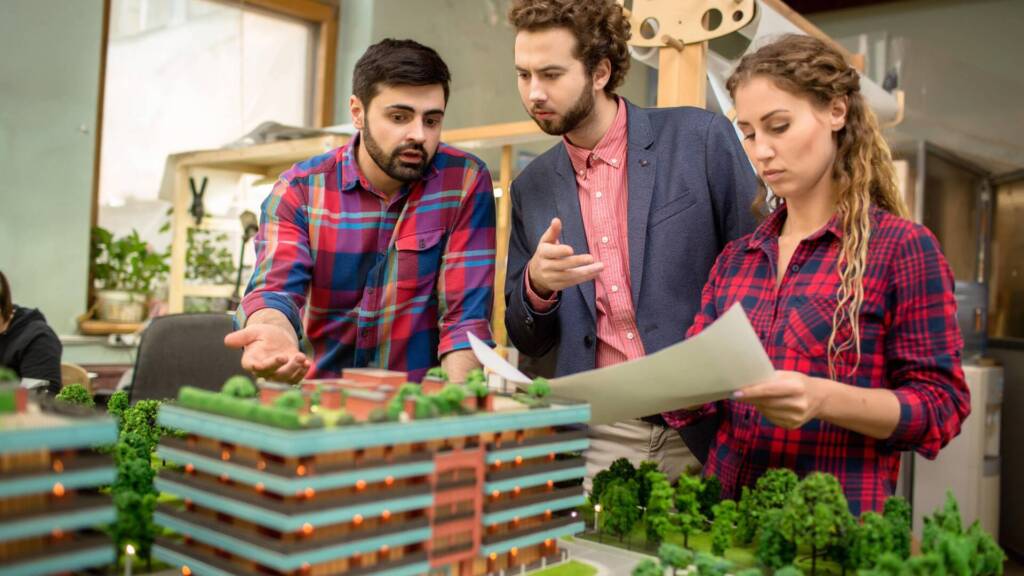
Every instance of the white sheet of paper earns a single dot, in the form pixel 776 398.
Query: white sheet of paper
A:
pixel 724 357
pixel 490 359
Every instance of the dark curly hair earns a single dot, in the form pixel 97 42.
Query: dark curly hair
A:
pixel 600 28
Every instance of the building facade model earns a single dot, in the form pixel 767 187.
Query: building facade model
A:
pixel 49 479
pixel 369 475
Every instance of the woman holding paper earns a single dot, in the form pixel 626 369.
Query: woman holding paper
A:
pixel 853 302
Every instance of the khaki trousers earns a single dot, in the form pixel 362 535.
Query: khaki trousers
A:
pixel 637 441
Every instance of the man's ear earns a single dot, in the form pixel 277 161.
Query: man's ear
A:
pixel 837 113
pixel 356 110
pixel 602 74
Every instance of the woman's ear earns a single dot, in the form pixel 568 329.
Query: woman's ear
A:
pixel 837 113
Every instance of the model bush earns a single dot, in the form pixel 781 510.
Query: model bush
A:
pixel 240 387
pixel 76 394
pixel 8 375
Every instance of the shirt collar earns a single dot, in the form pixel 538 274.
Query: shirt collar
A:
pixel 772 227
pixel 351 175
pixel 611 149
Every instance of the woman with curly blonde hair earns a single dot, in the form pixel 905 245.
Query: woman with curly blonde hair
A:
pixel 853 302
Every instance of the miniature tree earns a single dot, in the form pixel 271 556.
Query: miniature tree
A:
pixel 452 396
pixel 888 564
pixel 988 557
pixel 773 488
pixel 746 524
pixel 291 400
pixel 657 520
pixel 897 515
pixel 648 567
pixel 239 386
pixel 118 403
pixel 133 493
pixel 476 375
pixel 478 389
pixel 929 564
pixel 817 515
pixel 869 540
pixel 76 394
pixel 438 372
pixel 750 572
pixel 598 485
pixel 710 495
pixel 789 570
pixel 622 469
pixel 709 565
pixel 425 408
pixel 688 516
pixel 774 548
pixel 674 557
pixel 723 527
pixel 644 482
pixel 539 388
pixel 619 507
pixel 946 520
pixel 8 375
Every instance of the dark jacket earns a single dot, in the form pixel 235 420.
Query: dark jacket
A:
pixel 30 347
pixel 690 192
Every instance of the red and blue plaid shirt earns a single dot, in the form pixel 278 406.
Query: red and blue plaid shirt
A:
pixel 392 283
pixel 910 343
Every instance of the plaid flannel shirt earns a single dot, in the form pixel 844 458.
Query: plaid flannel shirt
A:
pixel 910 343
pixel 392 283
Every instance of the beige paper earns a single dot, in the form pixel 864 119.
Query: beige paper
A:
pixel 723 358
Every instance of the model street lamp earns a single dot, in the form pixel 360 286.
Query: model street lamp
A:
pixel 597 512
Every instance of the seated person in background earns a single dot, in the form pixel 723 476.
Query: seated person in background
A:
pixel 853 302
pixel 27 343
pixel 382 251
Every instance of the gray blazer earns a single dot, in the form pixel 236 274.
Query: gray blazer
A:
pixel 690 191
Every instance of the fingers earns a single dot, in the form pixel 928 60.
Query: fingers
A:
pixel 550 236
pixel 240 338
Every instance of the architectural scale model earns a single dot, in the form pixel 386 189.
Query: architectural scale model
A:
pixel 369 474
pixel 49 475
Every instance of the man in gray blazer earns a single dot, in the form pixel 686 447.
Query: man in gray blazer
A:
pixel 616 228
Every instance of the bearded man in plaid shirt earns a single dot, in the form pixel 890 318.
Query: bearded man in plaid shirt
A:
pixel 380 252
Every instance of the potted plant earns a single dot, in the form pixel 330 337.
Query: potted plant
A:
pixel 208 261
pixel 125 270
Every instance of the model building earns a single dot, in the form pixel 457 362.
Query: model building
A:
pixel 49 476
pixel 369 474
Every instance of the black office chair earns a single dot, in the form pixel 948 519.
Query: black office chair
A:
pixel 184 350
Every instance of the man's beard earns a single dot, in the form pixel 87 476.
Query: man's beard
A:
pixel 392 164
pixel 579 112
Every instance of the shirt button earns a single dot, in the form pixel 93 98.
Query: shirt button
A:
pixel 629 336
pixel 615 287
pixel 604 239
pixel 615 162
pixel 794 268
pixel 599 194
pixel 580 172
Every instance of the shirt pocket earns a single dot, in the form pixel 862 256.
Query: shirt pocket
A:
pixel 809 325
pixel 419 260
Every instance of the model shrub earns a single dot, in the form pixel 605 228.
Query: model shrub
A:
pixel 76 394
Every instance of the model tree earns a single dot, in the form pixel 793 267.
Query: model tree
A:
pixel 867 541
pixel 709 565
pixel 897 516
pixel 291 400
pixel 451 398
pixel 619 507
pixel 688 516
pixel 644 482
pixel 539 388
pixel 774 548
pixel 8 375
pixel 648 567
pixel 723 527
pixel 817 515
pixel 239 387
pixel 622 469
pixel 657 516
pixel 76 394
pixel 746 523
pixel 118 403
pixel 438 372
pixel 133 492
pixel 710 495
pixel 674 557
pixel 789 570
pixel 599 484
